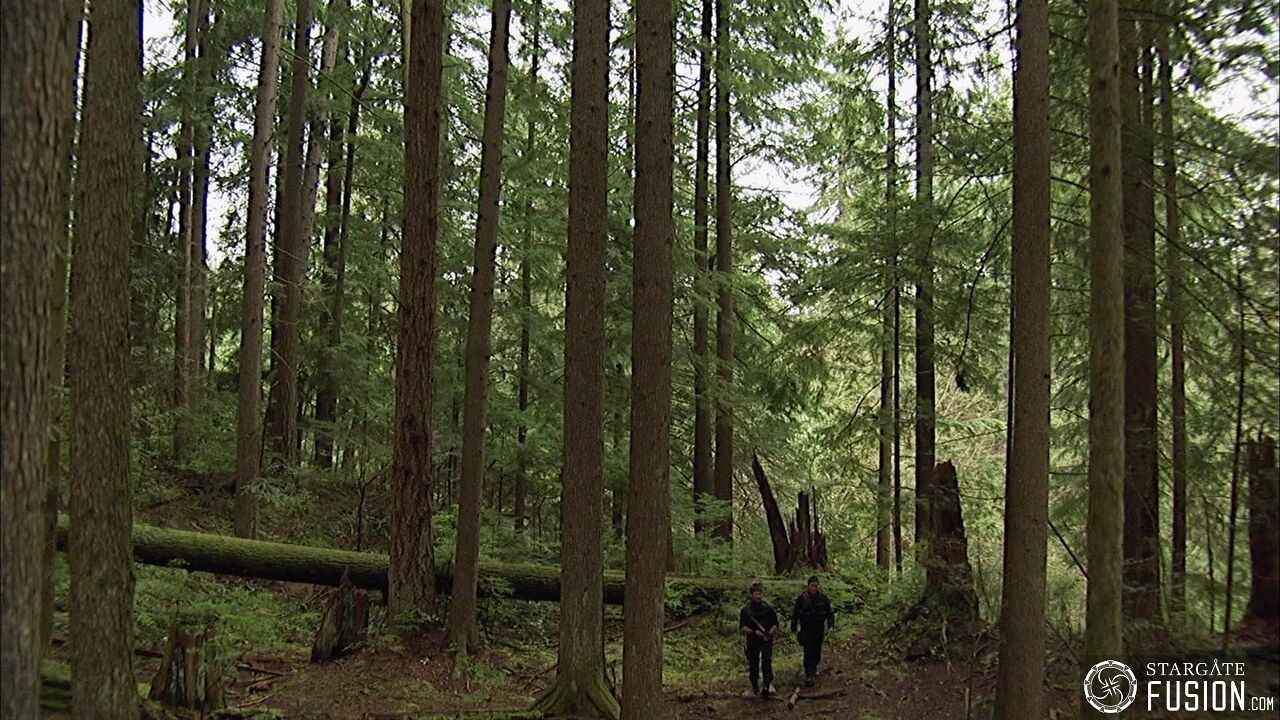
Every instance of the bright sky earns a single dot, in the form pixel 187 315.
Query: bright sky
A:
pixel 1251 101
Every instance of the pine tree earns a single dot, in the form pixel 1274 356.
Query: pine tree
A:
pixel 703 480
pixel 36 70
pixel 1103 625
pixel 1020 677
pixel 100 549
pixel 248 431
pixel 925 381
pixel 412 573
pixel 466 563
pixel 723 472
pixel 579 686
pixel 648 502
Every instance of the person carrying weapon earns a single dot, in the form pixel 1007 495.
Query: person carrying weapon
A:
pixel 812 616
pixel 759 622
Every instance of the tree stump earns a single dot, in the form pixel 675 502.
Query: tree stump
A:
pixel 1264 529
pixel 344 624
pixel 190 674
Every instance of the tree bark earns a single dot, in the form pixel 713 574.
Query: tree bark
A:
pixel 1228 603
pixel 1020 675
pixel 888 419
pixel 201 151
pixel 648 486
pixel 288 267
pixel 1141 487
pixel 773 516
pixel 1103 625
pixel 579 684
pixel 100 556
pixel 284 562
pixel 703 480
pixel 521 490
pixel 1177 323
pixel 183 352
pixel 37 58
pixel 925 385
pixel 462 608
pixel 248 431
pixel 723 471
pixel 412 553
pixel 338 190
pixel 1264 530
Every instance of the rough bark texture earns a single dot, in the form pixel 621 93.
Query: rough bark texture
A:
pixel 579 684
pixel 345 622
pixel 248 431
pixel 808 544
pixel 36 61
pixel 1177 322
pixel 948 576
pixel 925 385
pixel 773 516
pixel 1141 485
pixel 1106 341
pixel 703 481
pixel 723 472
pixel 462 609
pixel 648 492
pixel 1264 530
pixel 190 674
pixel 886 529
pixel 288 266
pixel 101 562
pixel 201 151
pixel 412 554
pixel 1237 447
pixel 1020 676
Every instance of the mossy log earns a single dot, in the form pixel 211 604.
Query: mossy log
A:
pixel 225 555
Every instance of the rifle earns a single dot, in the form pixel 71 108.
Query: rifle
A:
pixel 767 637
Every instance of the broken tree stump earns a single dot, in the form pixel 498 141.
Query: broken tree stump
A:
pixel 190 674
pixel 344 624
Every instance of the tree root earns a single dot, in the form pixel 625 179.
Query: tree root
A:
pixel 565 697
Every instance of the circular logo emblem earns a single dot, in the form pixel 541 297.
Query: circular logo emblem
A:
pixel 1110 686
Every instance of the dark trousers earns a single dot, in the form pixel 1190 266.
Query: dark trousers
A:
pixel 759 657
pixel 811 641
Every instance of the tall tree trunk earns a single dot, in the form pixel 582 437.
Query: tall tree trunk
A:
pixel 579 685
pixel 1020 677
pixel 703 481
pixel 887 419
pixel 337 222
pixel 288 267
pixel 1141 487
pixel 412 555
pixel 58 320
pixel 723 472
pixel 184 353
pixel 248 431
pixel 37 58
pixel 1103 624
pixel 1178 391
pixel 925 435
pixel 648 488
pixel 101 504
pixel 526 290
pixel 466 559
pixel 1235 462
pixel 782 560
pixel 201 151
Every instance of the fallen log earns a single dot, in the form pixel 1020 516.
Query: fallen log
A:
pixel 225 555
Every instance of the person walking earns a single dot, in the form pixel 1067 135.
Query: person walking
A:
pixel 759 622
pixel 812 616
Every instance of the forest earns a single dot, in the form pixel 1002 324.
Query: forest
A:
pixel 870 359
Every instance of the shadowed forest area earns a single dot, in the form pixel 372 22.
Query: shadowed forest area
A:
pixel 412 359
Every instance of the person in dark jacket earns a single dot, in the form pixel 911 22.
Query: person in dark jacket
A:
pixel 759 622
pixel 812 617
